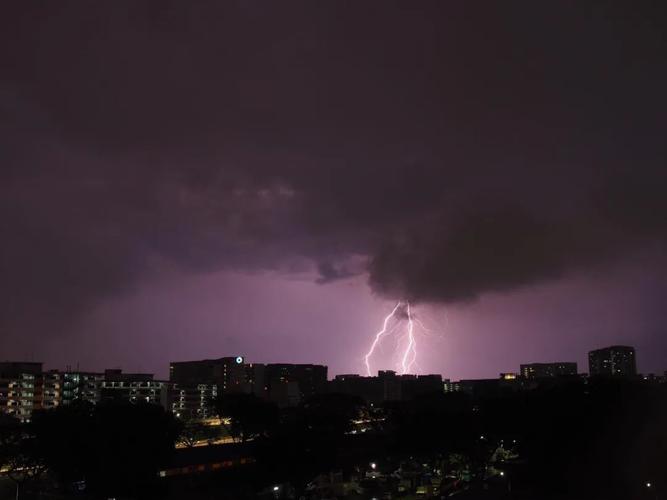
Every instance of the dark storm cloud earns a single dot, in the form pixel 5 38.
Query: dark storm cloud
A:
pixel 462 148
pixel 503 248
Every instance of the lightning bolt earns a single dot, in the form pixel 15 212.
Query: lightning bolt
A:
pixel 405 333
pixel 411 348
pixel 378 335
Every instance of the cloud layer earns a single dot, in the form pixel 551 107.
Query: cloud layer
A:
pixel 458 149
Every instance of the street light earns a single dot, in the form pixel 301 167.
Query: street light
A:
pixel 373 465
pixel 508 480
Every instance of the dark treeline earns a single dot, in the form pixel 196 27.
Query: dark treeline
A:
pixel 601 439
pixel 574 439
pixel 114 449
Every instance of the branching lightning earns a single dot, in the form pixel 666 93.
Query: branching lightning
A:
pixel 402 315
pixel 377 338
pixel 410 349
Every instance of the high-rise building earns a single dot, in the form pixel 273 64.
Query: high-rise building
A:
pixel 370 389
pixel 392 385
pixel 18 388
pixel 195 385
pixel 256 379
pixel 613 361
pixel 81 386
pixel 415 385
pixel 133 387
pixel 193 401
pixel 387 386
pixel 548 370
pixel 49 390
pixel 25 387
pixel 228 374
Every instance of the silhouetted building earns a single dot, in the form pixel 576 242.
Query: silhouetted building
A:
pixel 613 361
pixel 228 374
pixel 548 370
pixel 288 384
pixel 392 386
pixel 387 386
pixel 256 380
pixel 285 393
pixel 490 388
pixel 480 388
pixel 373 390
pixel 415 385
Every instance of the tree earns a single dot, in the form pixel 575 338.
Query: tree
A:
pixel 118 448
pixel 309 437
pixel 19 452
pixel 332 414
pixel 250 417
pixel 66 439
pixel 8 428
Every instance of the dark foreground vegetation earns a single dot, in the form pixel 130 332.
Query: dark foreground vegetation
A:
pixel 596 440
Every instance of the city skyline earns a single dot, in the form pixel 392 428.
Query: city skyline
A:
pixel 526 369
pixel 193 386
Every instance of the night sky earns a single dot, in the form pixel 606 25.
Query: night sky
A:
pixel 181 180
